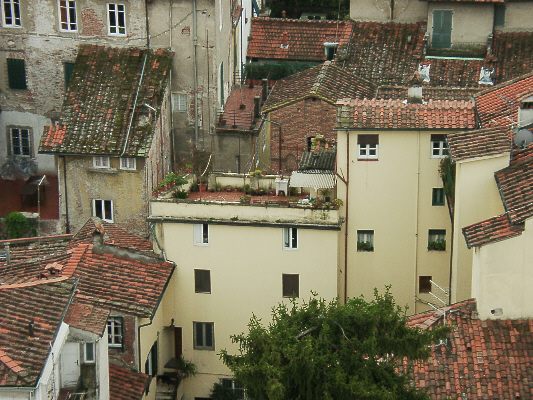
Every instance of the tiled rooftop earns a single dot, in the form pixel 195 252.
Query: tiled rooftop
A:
pixel 499 105
pixel 479 143
pixel 491 230
pixel 326 81
pixel 23 356
pixel 292 39
pixel 87 317
pixel 239 109
pixel 96 112
pixel 481 360
pixel 34 247
pixel 395 114
pixel 428 92
pixel 318 160
pixel 514 54
pixel 125 384
pixel 515 184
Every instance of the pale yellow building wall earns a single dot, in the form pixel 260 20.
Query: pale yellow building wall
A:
pixel 392 196
pixel 246 264
pixel 502 277
pixel 471 23
pixel 476 199
pixel 380 10
pixel 518 16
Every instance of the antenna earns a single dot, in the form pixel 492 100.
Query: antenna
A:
pixel 523 138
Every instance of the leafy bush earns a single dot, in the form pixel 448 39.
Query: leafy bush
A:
pixel 17 226
pixel 439 245
pixel 365 246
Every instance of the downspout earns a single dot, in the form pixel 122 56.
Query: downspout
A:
pixel 147 24
pixel 172 144
pixel 134 106
pixel 67 219
pixel 417 209
pixel 139 340
pixel 195 68
pixel 347 182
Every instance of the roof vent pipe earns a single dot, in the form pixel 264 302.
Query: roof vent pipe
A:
pixel 414 92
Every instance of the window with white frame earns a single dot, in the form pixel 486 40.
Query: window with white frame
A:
pixel 204 335
pixel 365 240
pixel 437 197
pixel 11 13
pixel 116 18
pixel 115 331
pixel 128 163
pixel 68 20
pixel 239 393
pixel 439 148
pixel 201 234
pixel 103 209
pixel 290 238
pixel 179 102
pixel 367 147
pixel 89 356
pixel 20 141
pixel 101 162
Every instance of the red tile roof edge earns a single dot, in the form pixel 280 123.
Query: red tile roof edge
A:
pixel 491 230
pixel 503 84
pixel 36 239
pixel 473 143
pixel 34 283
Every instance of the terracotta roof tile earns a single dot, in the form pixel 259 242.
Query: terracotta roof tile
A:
pixel 514 54
pixel 125 384
pixel 34 247
pixel 479 143
pixel 395 114
pixel 428 92
pixel 292 39
pixel 96 111
pixel 499 105
pixel 87 317
pixel 491 230
pixel 326 81
pixel 22 357
pixel 239 109
pixel 481 360
pixel 515 184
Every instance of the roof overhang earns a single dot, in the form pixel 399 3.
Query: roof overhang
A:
pixel 313 179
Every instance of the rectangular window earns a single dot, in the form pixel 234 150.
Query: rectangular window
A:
pixel 204 335
pixel 291 285
pixel 88 353
pixel 439 148
pixel 290 238
pixel 442 29
pixel 437 239
pixel 68 68
pixel 367 147
pixel 16 73
pixel 437 197
pixel 365 240
pixel 116 15
pixel 179 102
pixel 21 141
pixel 201 234
pixel 424 284
pixel 67 16
pixel 499 14
pixel 11 13
pixel 235 387
pixel 101 162
pixel 115 331
pixel 103 209
pixel 150 365
pixel 202 281
pixel 128 163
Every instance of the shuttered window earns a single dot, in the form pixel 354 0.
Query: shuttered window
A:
pixel 16 73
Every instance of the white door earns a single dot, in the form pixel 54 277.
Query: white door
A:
pixel 70 364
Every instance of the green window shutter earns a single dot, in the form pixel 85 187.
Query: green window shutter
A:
pixel 68 69
pixel 442 29
pixel 16 73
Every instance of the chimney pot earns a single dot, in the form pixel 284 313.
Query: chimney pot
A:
pixel 414 94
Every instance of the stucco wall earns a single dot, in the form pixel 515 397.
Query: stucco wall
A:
pixel 380 10
pixel 246 265
pixel 502 277
pixel 393 197
pixel 229 146
pixel 471 23
pixel 518 16
pixel 476 199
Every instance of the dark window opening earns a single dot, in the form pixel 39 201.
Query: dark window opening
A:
pixel 291 285
pixel 202 281
pixel 16 73
pixel 437 197
pixel 424 284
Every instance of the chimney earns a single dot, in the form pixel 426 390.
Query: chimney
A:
pixel 414 92
pixel 257 106
pixel 283 13
pixel 264 92
pixel 285 40
pixel 98 234
pixel 31 328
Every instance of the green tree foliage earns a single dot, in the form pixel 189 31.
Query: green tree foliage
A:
pixel 325 351
pixel 17 226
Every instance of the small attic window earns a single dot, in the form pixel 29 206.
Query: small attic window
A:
pixel 330 49
pixel 525 116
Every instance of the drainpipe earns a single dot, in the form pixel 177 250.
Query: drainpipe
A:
pixel 67 219
pixel 417 208
pixel 346 217
pixel 139 340
pixel 195 68
pixel 147 24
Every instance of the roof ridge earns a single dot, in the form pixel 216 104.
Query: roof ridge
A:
pixel 298 20
pixel 34 283
pixel 504 84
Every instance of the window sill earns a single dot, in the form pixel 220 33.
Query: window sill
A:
pixel 204 348
pixel 368 159
pixel 103 170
